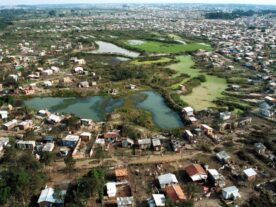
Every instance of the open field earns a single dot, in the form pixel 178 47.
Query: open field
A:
pixel 148 62
pixel 212 88
pixel 162 47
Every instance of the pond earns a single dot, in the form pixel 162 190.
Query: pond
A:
pixel 109 48
pixel 97 107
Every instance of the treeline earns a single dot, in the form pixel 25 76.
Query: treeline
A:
pixel 7 16
pixel 236 14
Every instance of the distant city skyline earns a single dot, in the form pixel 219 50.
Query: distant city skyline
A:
pixel 16 2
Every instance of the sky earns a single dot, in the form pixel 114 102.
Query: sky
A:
pixel 15 2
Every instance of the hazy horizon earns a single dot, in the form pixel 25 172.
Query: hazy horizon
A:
pixel 35 2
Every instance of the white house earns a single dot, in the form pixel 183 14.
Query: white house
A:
pixel 167 180
pixel 157 200
pixel 4 114
pixel 111 189
pixel 231 192
pixel 47 197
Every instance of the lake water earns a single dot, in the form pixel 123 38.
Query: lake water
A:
pixel 109 48
pixel 97 107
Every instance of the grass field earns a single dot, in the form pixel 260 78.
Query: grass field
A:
pixel 162 47
pixel 148 62
pixel 203 95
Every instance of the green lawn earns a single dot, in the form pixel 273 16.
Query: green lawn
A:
pixel 148 62
pixel 161 47
pixel 203 95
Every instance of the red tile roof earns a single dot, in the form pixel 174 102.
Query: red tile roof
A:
pixel 194 169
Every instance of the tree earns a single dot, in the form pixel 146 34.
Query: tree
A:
pixel 47 158
pixel 52 13
pixel 70 163
pixel 192 190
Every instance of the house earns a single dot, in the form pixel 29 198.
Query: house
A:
pixel 189 136
pixel 250 174
pixel 223 156
pixel 48 138
pixel 111 136
pixel 12 78
pixel 157 200
pixel 111 189
pixel 260 148
pixel 131 86
pixel 47 72
pixel 48 147
pixel 174 193
pixel 167 180
pixel 55 69
pixel 47 84
pixel 85 136
pixel 144 143
pixel 231 192
pixel 207 130
pixel 24 125
pixel 43 113
pixel 4 141
pixel 127 142
pixel 121 174
pixel 47 198
pixel 54 119
pixel 225 115
pixel 10 125
pixel 65 80
pixel 4 114
pixel 25 144
pixel 188 111
pixel 86 122
pixel 156 144
pixel 78 70
pixel 196 172
pixel 70 140
pixel 266 110
pixel 83 84
pixel 125 201
pixel 216 178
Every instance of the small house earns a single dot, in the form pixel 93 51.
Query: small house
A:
pixel 86 122
pixel 26 145
pixel 47 72
pixel 167 180
pixel 111 189
pixel 225 115
pixel 24 125
pixel 54 119
pixel 174 193
pixel 207 130
pixel 223 156
pixel 111 136
pixel 215 178
pixel 4 114
pixel 260 148
pixel 78 70
pixel 131 86
pixel 83 84
pixel 156 144
pixel 125 201
pixel 43 113
pixel 188 111
pixel 157 200
pixel 231 192
pixel 121 174
pixel 85 136
pixel 48 147
pixel 70 140
pixel 3 142
pixel 127 142
pixel 47 198
pixel 144 143
pixel 249 174
pixel 189 136
pixel 10 125
pixel 196 172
